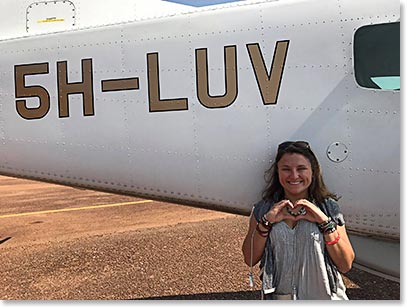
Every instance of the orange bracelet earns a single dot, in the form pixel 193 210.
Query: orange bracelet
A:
pixel 334 241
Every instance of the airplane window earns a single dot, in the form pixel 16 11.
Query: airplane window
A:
pixel 377 56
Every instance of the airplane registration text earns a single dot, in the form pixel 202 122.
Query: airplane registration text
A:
pixel 268 82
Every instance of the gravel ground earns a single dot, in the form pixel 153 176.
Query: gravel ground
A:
pixel 144 251
pixel 193 261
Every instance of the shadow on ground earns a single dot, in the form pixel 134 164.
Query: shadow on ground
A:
pixel 242 295
pixel 367 287
pixel 4 240
pixel 372 287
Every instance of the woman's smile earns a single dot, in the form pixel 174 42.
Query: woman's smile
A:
pixel 295 175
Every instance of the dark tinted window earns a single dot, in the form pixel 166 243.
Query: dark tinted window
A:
pixel 377 56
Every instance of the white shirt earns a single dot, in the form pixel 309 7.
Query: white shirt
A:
pixel 298 260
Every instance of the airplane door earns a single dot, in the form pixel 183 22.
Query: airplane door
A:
pixel 50 16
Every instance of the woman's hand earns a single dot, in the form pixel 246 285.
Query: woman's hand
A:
pixel 313 213
pixel 279 212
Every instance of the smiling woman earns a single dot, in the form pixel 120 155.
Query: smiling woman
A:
pixel 298 231
pixel 295 176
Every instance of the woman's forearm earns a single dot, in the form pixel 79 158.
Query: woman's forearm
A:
pixel 341 251
pixel 253 243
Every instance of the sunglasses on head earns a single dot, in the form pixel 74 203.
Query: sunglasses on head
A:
pixel 301 144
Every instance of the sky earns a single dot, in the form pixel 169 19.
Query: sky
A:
pixel 201 2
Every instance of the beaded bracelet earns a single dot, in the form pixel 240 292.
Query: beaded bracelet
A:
pixel 324 224
pixel 330 229
pixel 265 222
pixel 327 227
pixel 263 233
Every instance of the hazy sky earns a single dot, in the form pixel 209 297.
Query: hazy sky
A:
pixel 201 2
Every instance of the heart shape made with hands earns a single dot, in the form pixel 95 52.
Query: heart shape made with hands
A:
pixel 297 210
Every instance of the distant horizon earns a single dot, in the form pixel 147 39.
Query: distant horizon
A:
pixel 201 2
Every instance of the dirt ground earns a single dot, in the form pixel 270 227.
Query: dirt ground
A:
pixel 61 243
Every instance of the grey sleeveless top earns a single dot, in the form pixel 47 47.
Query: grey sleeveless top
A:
pixel 297 258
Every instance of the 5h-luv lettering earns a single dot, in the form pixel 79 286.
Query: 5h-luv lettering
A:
pixel 268 81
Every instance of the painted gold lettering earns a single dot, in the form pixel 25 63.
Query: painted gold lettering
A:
pixel 230 67
pixel 156 104
pixel 23 91
pixel 269 83
pixel 85 88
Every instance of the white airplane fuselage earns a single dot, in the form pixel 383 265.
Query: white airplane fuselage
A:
pixel 190 108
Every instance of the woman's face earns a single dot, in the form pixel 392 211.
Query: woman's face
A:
pixel 295 175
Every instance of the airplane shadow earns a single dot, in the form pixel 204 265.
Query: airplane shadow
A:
pixel 371 287
pixel 241 295
pixel 5 240
pixel 364 287
pixel 372 293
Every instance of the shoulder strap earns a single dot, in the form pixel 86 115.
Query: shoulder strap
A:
pixel 261 208
pixel 331 209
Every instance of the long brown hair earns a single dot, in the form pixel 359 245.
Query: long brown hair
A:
pixel 317 189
